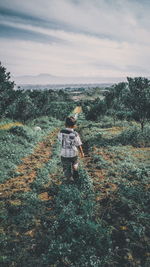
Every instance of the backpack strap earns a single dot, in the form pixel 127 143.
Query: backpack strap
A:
pixel 65 131
pixel 76 134
pixel 68 132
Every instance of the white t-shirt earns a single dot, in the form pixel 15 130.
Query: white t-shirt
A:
pixel 69 140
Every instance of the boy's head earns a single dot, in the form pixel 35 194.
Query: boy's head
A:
pixel 70 122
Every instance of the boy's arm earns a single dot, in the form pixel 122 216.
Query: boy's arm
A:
pixel 79 145
pixel 59 137
pixel 81 151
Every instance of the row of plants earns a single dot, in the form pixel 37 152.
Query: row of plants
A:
pixel 118 164
pixel 54 224
pixel 20 141
pixel 23 215
pixel 100 133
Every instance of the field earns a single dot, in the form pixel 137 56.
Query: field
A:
pixel 86 93
pixel 102 219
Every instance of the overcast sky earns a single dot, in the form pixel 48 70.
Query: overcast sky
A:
pixel 89 38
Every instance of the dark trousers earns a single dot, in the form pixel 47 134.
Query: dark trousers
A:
pixel 68 167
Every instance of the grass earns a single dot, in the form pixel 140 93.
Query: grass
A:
pixel 19 141
pixel 101 220
pixel 120 172
pixel 51 220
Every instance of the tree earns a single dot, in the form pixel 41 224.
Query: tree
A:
pixel 25 108
pixel 95 110
pixel 5 83
pixel 114 92
pixel 114 99
pixel 6 89
pixel 138 99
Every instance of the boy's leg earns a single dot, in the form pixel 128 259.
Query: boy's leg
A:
pixel 66 163
pixel 75 168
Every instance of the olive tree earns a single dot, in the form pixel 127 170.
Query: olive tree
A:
pixel 137 99
pixel 6 89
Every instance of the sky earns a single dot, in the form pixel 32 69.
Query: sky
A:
pixel 76 38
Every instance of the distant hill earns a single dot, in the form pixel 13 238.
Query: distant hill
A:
pixel 35 79
pixel 48 79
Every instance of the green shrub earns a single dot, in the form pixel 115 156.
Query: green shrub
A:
pixel 106 122
pixel 20 131
pixel 132 172
pixel 134 136
pixel 100 162
pixel 45 122
pixel 75 236
pixel 15 143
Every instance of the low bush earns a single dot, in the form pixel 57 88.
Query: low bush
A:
pixel 20 131
pixel 45 122
pixel 106 122
pixel 16 143
pixel 75 236
pixel 134 136
pixel 100 162
pixel 132 172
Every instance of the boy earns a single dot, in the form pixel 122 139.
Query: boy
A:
pixel 71 143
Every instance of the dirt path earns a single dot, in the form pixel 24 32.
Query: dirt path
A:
pixel 102 187
pixel 27 171
pixel 9 125
pixel 77 110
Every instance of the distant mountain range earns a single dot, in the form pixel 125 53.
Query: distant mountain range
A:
pixel 44 79
pixel 35 79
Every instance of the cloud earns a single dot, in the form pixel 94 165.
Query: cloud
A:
pixel 112 19
pixel 24 33
pixel 76 38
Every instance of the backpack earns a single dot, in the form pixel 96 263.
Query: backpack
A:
pixel 68 138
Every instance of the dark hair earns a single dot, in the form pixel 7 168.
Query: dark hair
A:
pixel 70 121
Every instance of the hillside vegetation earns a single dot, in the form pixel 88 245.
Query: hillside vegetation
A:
pixel 102 219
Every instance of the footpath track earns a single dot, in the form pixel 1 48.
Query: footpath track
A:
pixel 102 187
pixel 78 109
pixel 27 171
pixel 9 125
